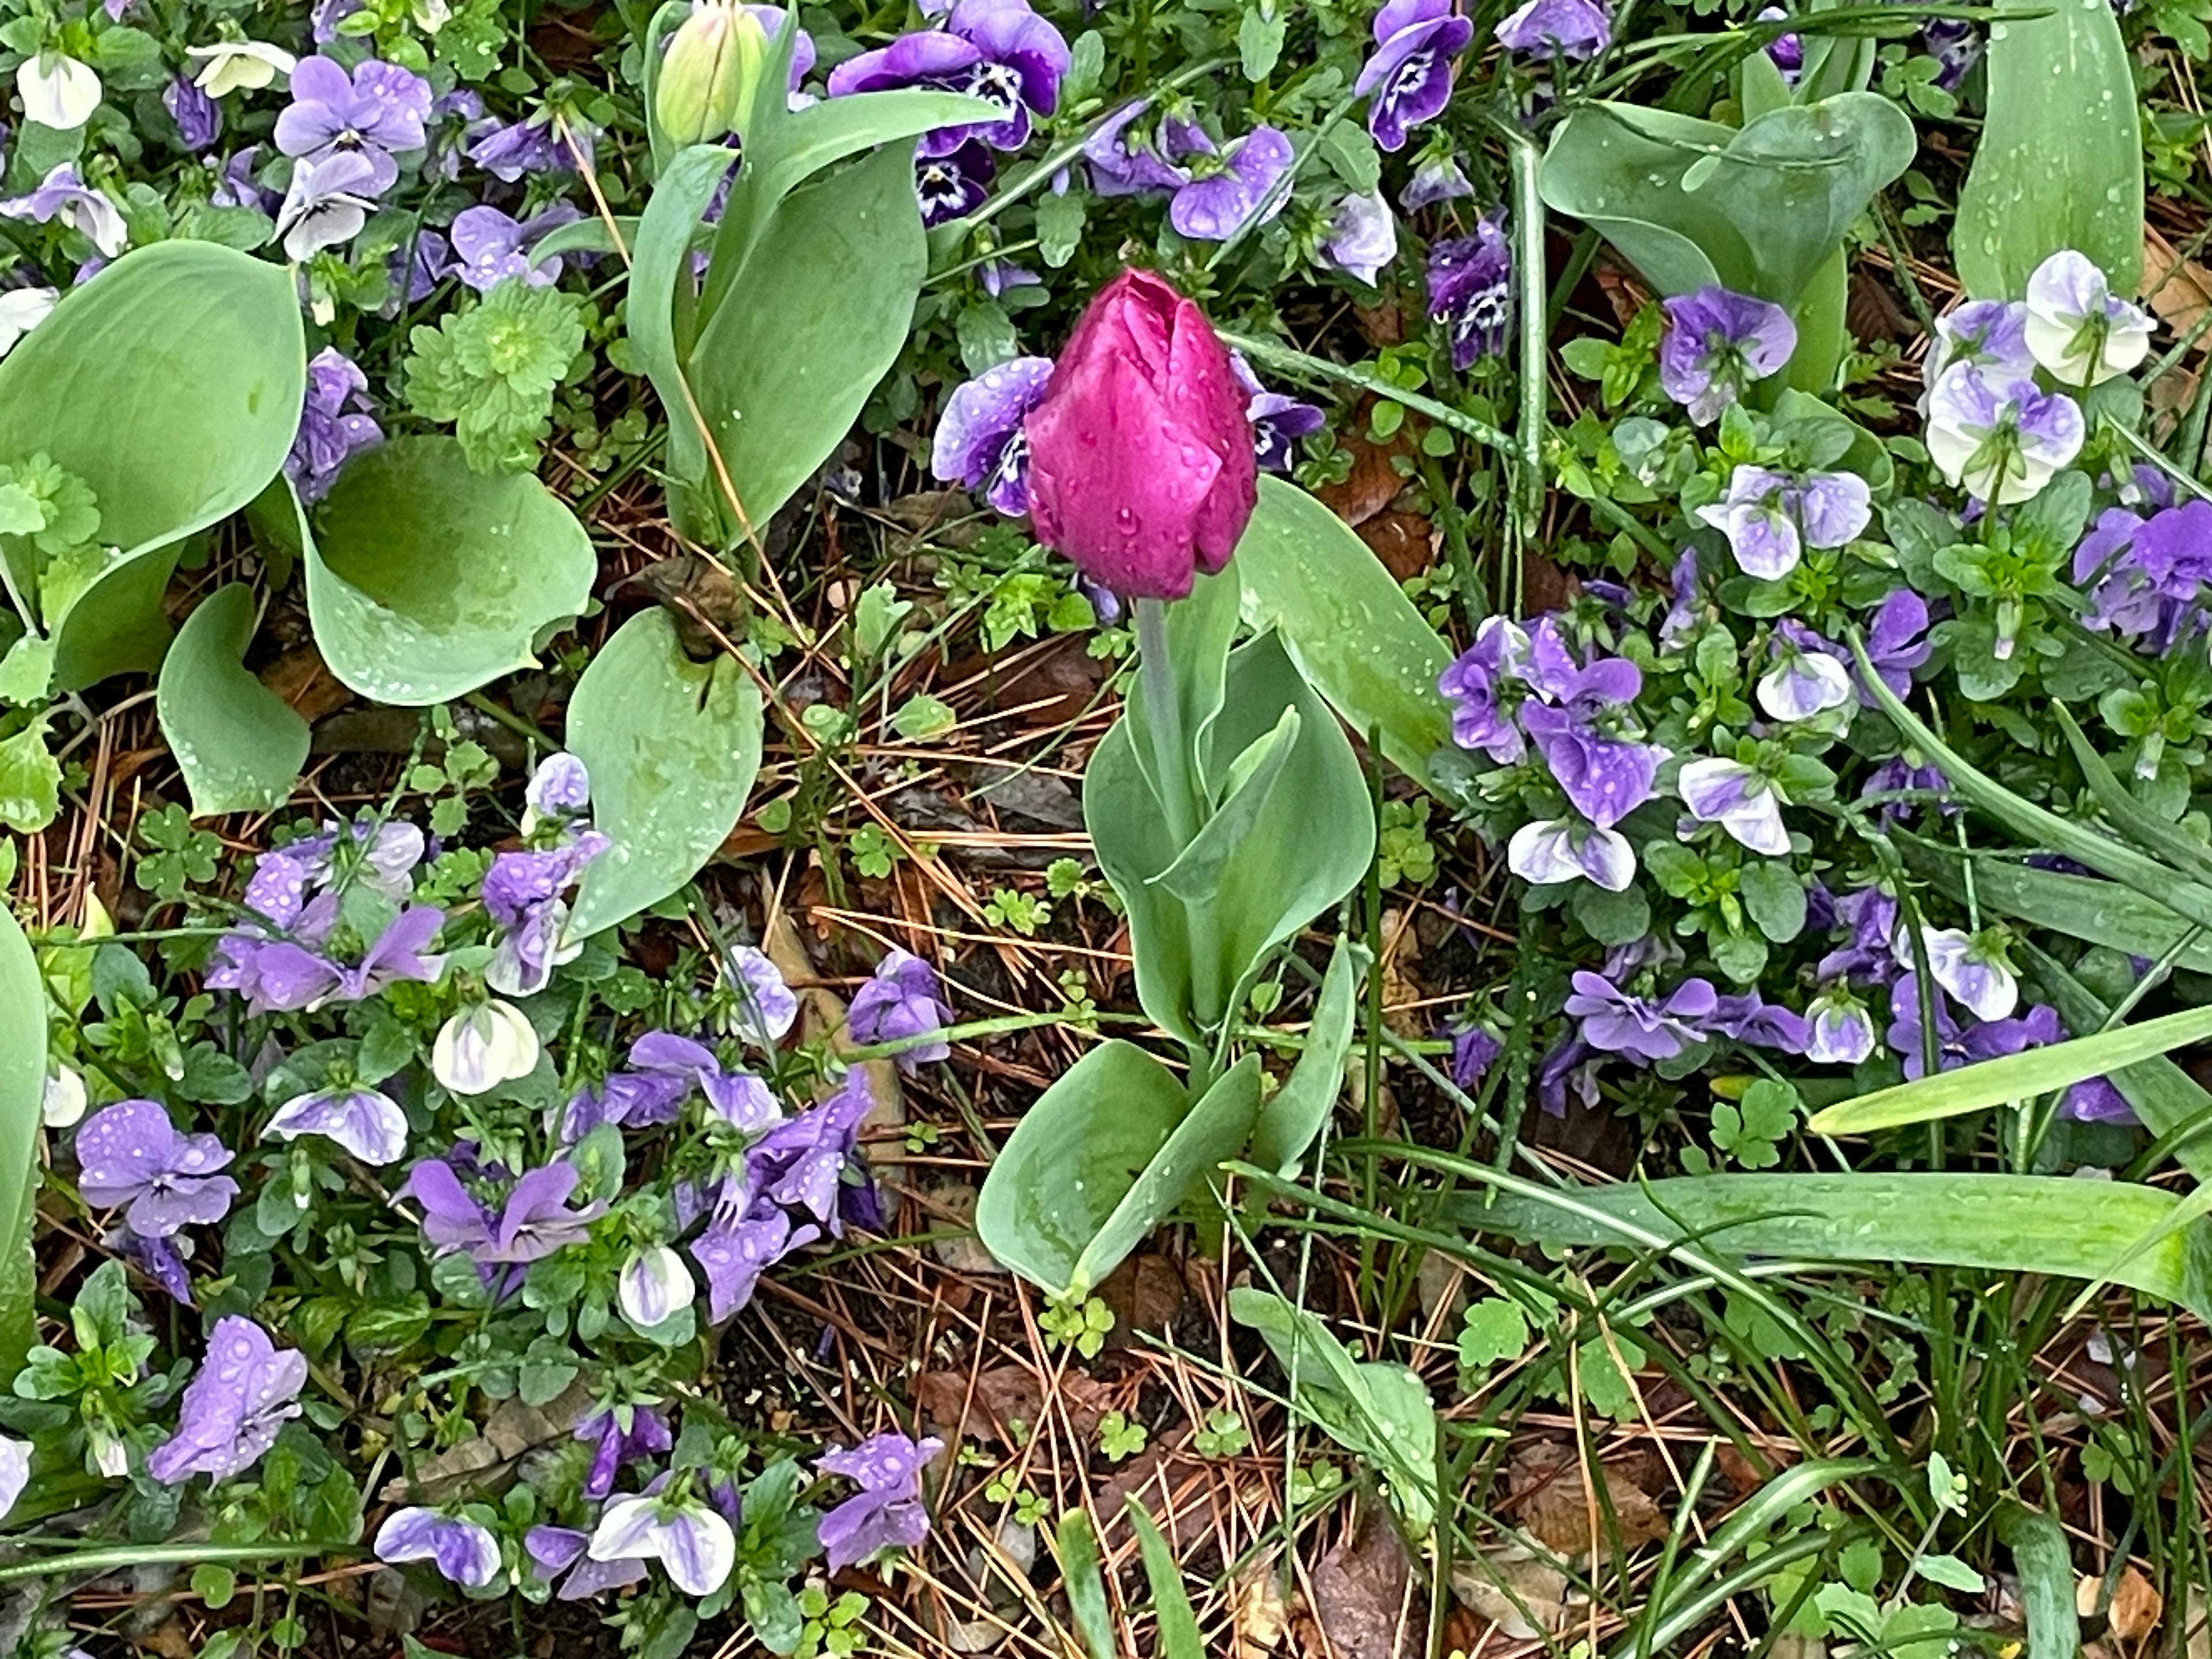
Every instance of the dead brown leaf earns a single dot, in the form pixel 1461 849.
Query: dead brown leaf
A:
pixel 1405 542
pixel 1511 1588
pixel 1146 1293
pixel 2137 1604
pixel 2178 291
pixel 1006 1403
pixel 1258 1615
pixel 1557 1504
pixel 299 677
pixel 1374 481
pixel 1363 1596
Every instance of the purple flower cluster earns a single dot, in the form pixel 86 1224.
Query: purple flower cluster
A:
pixel 1470 281
pixel 522 890
pixel 1408 79
pixel 1648 1029
pixel 887 1512
pixel 664 1069
pixel 298 952
pixel 526 1220
pixel 2146 577
pixel 335 425
pixel 1216 187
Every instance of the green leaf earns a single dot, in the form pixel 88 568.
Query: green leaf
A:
pixel 1381 1413
pixel 2044 1562
pixel 1101 1158
pixel 2083 906
pixel 22 1086
pixel 1952 1573
pixel 26 672
pixel 1355 636
pixel 173 387
pixel 1999 1223
pixel 671 747
pixel 823 307
pixel 1077 1546
pixel 239 744
pixel 428 580
pixel 1774 898
pixel 1260 41
pixel 1294 1115
pixel 1492 1330
pixel 30 779
pixel 2060 160
pixel 1770 206
pixel 1179 1637
pixel 1059 227
pixel 2167 1099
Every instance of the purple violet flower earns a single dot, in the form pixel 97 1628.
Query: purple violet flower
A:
pixel 1896 777
pixel 734 1254
pixel 63 195
pixel 1991 334
pixel 522 894
pixel 367 1123
pixel 1572 29
pixel 1808 677
pixel 1750 1019
pixel 375 112
pixel 614 1444
pixel 1785 51
pixel 1408 80
pixel 245 1390
pixel 1470 281
pixel 489 247
pixel 1897 641
pixel 1470 686
pixel 1604 777
pixel 1729 793
pixel 1769 517
pixel 768 1008
pixel 887 1512
pixel 1362 237
pixel 534 1221
pixel 801 1163
pixel 1841 1031
pixel 996 50
pixel 953 185
pixel 1618 1023
pixel 553 1550
pixel 282 974
pixel 2097 1100
pixel 1474 1051
pixel 693 1543
pixel 130 1154
pixel 981 444
pixel 509 152
pixel 326 204
pixel 463 1551
pixel 1437 178
pixel 1226 188
pixel 198 117
pixel 1279 422
pixel 334 424
pixel 902 999
pixel 735 1096
pixel 1123 165
pixel 1716 343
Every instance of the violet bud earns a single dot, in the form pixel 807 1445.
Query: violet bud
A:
pixel 1141 464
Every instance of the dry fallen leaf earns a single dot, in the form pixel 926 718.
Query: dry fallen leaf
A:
pixel 2178 291
pixel 1557 1506
pixel 1524 1596
pixel 1363 1596
pixel 2135 1606
pixel 1257 1609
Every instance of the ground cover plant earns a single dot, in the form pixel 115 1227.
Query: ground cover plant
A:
pixel 1250 828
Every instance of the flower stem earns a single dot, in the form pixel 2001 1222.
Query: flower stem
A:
pixel 1174 776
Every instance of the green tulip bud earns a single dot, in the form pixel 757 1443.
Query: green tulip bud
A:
pixel 707 79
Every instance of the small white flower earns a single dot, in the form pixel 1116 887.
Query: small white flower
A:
pixel 655 1284
pixel 1729 793
pixel 1562 849
pixel 2077 328
pixel 62 1102
pixel 21 310
pixel 365 1121
pixel 1975 975
pixel 57 91
pixel 109 1455
pixel 483 1046
pixel 691 1541
pixel 1805 684
pixel 14 1472
pixel 239 66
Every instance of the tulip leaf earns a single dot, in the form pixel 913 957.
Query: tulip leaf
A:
pixel 2082 907
pixel 827 297
pixel 22 1089
pixel 426 579
pixel 239 744
pixel 1760 209
pixel 171 387
pixel 672 746
pixel 1351 629
pixel 2059 164
pixel 2169 1101
pixel 1104 1156
pixel 1998 1223
pixel 1179 1634
pixel 1295 1113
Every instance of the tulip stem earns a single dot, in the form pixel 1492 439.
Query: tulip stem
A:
pixel 1173 776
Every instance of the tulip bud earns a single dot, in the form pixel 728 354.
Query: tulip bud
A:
pixel 1141 465
pixel 706 81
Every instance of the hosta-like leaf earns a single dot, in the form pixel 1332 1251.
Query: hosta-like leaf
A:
pixel 427 579
pixel 239 744
pixel 672 746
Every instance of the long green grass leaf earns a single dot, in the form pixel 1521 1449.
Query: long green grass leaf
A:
pixel 1179 1637
pixel 22 1081
pixel 2046 1582
pixel 2170 1102
pixel 2022 1076
pixel 2094 911
pixel 1077 1546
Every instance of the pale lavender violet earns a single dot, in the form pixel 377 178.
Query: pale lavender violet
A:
pixel 1715 344
pixel 489 247
pixel 376 111
pixel 1227 187
pixel 903 999
pixel 245 1390
pixel 1572 29
pixel 1731 794
pixel 130 1154
pixel 335 425
pixel 887 1512
pixel 1362 237
pixel 464 1552
pixel 1615 1022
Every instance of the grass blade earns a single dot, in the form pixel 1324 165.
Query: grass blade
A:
pixel 2024 1076
pixel 22 1082
pixel 2170 1102
pixel 2046 1582
pixel 1179 1638
pixel 1077 1546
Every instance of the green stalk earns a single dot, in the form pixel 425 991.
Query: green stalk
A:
pixel 1174 774
pixel 23 1084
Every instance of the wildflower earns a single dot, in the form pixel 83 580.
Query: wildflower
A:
pixel 1990 334
pixel 1437 178
pixel 736 1097
pixel 620 1436
pixel 489 247
pixel 1769 517
pixel 1897 642
pixel 463 1550
pixel 1808 677
pixel 130 1154
pixel 1470 283
pixel 1605 776
pixel 1408 79
pixel 245 1391
pixel 284 975
pixel 57 91
pixel 1749 1018
pixel 996 50
pixel 1840 1032
pixel 14 1472
pixel 198 117
pixel 1471 685
pixel 511 151
pixel 1731 794
pixel 693 1543
pixel 1955 1045
pixel 1121 165
pixel 1618 1023
pixel 555 1550
pixel 887 1512
pixel 1227 187
pixel 1141 467
pixel 239 66
pixel 801 1163
pixel 1572 29
pixel 326 204
pixel 533 1222
pixel 367 1123
pixel 1896 777
pixel 1999 440
pixel 2097 1100
pixel 522 895
pixel 1972 968
pixel 768 1010
pixel 63 195
pixel 1683 612
pixel 62 1100
pixel 1786 51
pixel 1716 343
pixel 1474 1051
pixel 334 425
pixel 1562 849
pixel 375 112
pixel 953 185
pixel 735 1253
pixel 655 1284
pixel 1871 957
pixel 901 1000
pixel 981 444
pixel 483 1046
pixel 2077 327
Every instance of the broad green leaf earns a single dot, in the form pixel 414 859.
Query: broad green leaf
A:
pixel 172 386
pixel 2059 164
pixel 1101 1158
pixel 427 579
pixel 1759 209
pixel 1353 634
pixel 2018 1077
pixel 1295 1113
pixel 239 744
pixel 30 779
pixel 22 1085
pixel 1179 1635
pixel 1996 1222
pixel 672 746
pixel 2044 1561
pixel 1380 1412
pixel 1195 876
pixel 827 297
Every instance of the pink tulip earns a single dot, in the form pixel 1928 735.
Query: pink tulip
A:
pixel 1141 464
